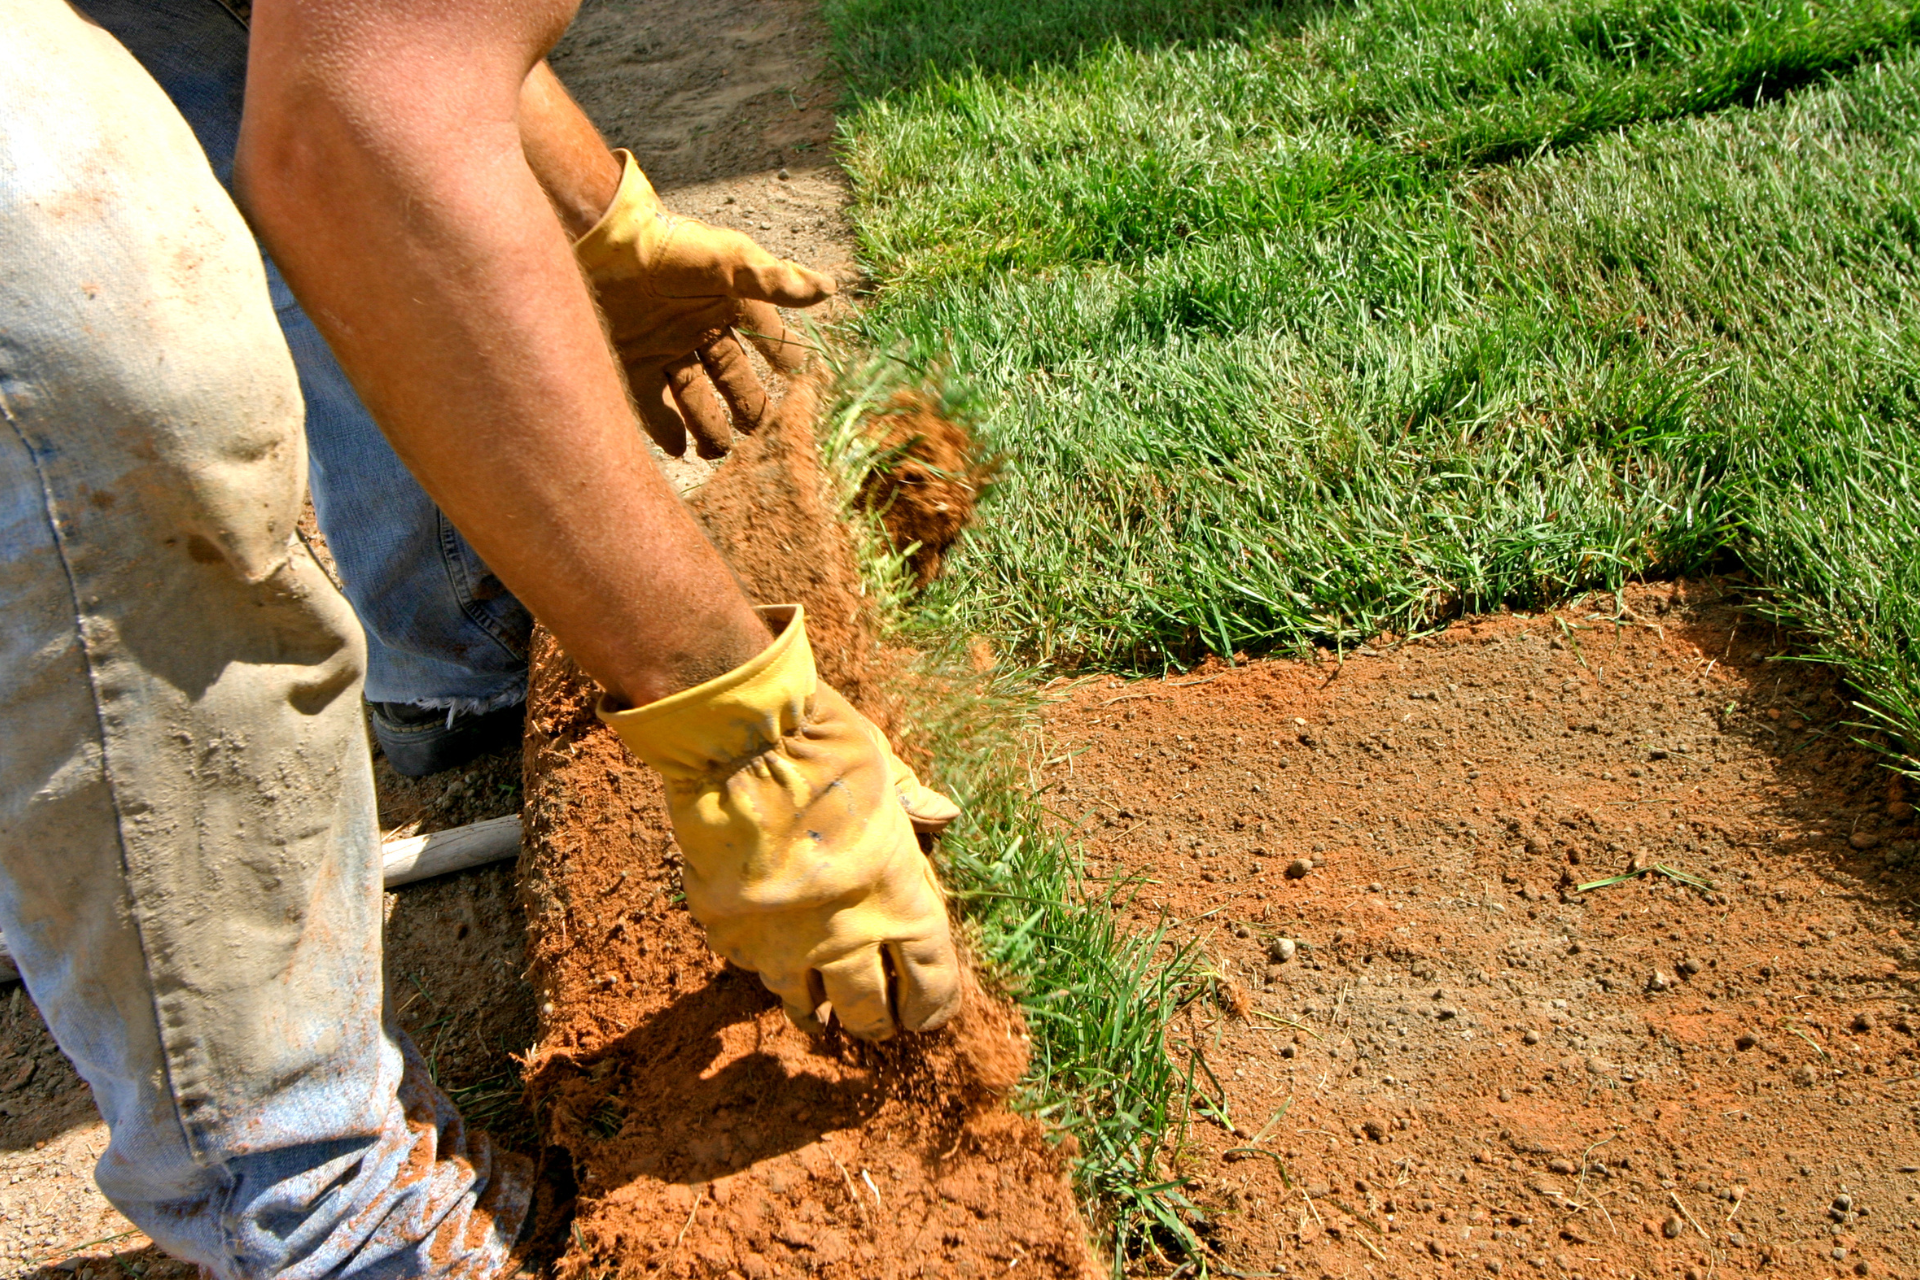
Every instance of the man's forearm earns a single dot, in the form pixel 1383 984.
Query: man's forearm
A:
pixel 566 152
pixel 381 159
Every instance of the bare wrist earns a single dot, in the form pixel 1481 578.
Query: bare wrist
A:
pixel 664 674
pixel 566 153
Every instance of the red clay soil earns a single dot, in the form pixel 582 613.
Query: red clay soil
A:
pixel 1428 1052
pixel 932 480
pixel 706 1136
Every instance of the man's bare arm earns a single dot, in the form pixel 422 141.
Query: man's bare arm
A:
pixel 566 152
pixel 381 160
pixel 677 294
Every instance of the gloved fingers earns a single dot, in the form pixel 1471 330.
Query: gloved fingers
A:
pixel 928 810
pixel 928 976
pixel 705 259
pixel 785 348
pixel 687 378
pixel 726 365
pixel 804 1019
pixel 786 284
pixel 801 995
pixel 857 986
pixel 658 414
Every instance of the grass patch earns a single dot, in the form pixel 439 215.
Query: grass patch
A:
pixel 1300 322
pixel 1097 999
pixel 886 44
pixel 499 1105
pixel 1410 308
pixel 1305 118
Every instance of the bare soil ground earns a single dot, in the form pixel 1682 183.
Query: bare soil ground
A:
pixel 1428 1051
pixel 706 1136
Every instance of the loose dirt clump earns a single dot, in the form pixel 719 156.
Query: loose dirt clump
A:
pixel 928 480
pixel 1430 1051
pixel 768 511
pixel 705 1135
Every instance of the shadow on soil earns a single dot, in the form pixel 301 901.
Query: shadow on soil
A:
pixel 41 1097
pixel 711 1137
pixel 149 1263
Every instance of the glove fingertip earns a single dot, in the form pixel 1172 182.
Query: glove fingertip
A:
pixel 930 812
pixel 788 358
pixel 878 1034
pixel 672 443
pixel 731 375
pixel 770 335
pixel 938 1017
pixel 653 401
pixel 817 284
pixel 804 1019
pixel 788 284
pixel 929 984
pixel 694 395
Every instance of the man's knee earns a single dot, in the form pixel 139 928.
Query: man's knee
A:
pixel 134 296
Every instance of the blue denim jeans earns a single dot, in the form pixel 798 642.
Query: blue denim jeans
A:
pixel 189 866
pixel 442 630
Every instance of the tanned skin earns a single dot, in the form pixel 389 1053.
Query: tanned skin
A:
pixel 568 156
pixel 387 159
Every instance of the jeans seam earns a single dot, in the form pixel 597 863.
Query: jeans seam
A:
pixel 470 608
pixel 233 11
pixel 51 507
pixel 230 1250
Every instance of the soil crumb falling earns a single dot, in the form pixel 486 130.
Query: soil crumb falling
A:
pixel 707 1137
pixel 929 483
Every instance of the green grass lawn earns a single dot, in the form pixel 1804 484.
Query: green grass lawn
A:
pixel 1298 323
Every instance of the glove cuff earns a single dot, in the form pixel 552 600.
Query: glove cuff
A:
pixel 620 243
pixel 732 718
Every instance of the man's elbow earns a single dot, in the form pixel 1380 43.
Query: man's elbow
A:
pixel 277 171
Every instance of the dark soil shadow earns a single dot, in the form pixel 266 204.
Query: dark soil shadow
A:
pixel 456 974
pixel 41 1097
pixel 146 1263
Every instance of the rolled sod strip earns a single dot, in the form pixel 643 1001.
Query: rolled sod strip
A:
pixel 410 858
pixel 707 1135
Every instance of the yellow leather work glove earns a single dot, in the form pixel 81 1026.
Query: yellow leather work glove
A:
pixel 674 291
pixel 799 857
pixel 927 809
